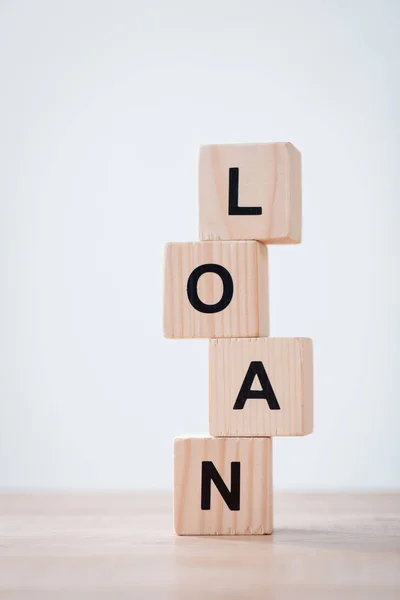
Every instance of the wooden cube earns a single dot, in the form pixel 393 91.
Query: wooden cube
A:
pixel 261 387
pixel 222 486
pixel 250 192
pixel 216 289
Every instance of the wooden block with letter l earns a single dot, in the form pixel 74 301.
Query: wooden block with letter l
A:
pixel 216 289
pixel 250 191
pixel 260 387
pixel 222 486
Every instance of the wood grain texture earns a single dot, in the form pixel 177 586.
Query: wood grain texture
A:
pixel 288 363
pixel 255 514
pixel 269 177
pixel 247 314
pixel 120 546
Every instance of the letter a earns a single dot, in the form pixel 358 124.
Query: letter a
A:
pixel 256 368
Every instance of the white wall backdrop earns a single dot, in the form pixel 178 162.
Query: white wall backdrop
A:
pixel 103 106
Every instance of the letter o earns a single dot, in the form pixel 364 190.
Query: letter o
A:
pixel 193 295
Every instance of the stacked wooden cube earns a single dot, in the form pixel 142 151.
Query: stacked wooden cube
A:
pixel 259 386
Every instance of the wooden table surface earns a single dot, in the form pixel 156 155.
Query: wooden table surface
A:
pixel 117 546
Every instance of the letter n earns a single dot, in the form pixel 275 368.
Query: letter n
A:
pixel 208 474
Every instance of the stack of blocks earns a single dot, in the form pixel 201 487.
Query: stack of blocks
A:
pixel 259 386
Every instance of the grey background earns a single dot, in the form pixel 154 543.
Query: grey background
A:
pixel 103 106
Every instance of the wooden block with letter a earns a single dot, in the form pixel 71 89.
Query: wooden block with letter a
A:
pixel 216 289
pixel 260 387
pixel 250 191
pixel 222 486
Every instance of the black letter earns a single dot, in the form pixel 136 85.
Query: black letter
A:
pixel 234 208
pixel 256 368
pixel 226 294
pixel 209 473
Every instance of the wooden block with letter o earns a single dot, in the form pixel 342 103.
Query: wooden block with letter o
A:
pixel 222 486
pixel 261 387
pixel 216 289
pixel 250 191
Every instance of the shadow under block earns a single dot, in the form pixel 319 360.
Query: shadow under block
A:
pixel 216 289
pixel 238 182
pixel 239 467
pixel 260 387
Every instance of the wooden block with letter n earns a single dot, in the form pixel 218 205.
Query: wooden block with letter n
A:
pixel 250 191
pixel 261 387
pixel 216 289
pixel 222 486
